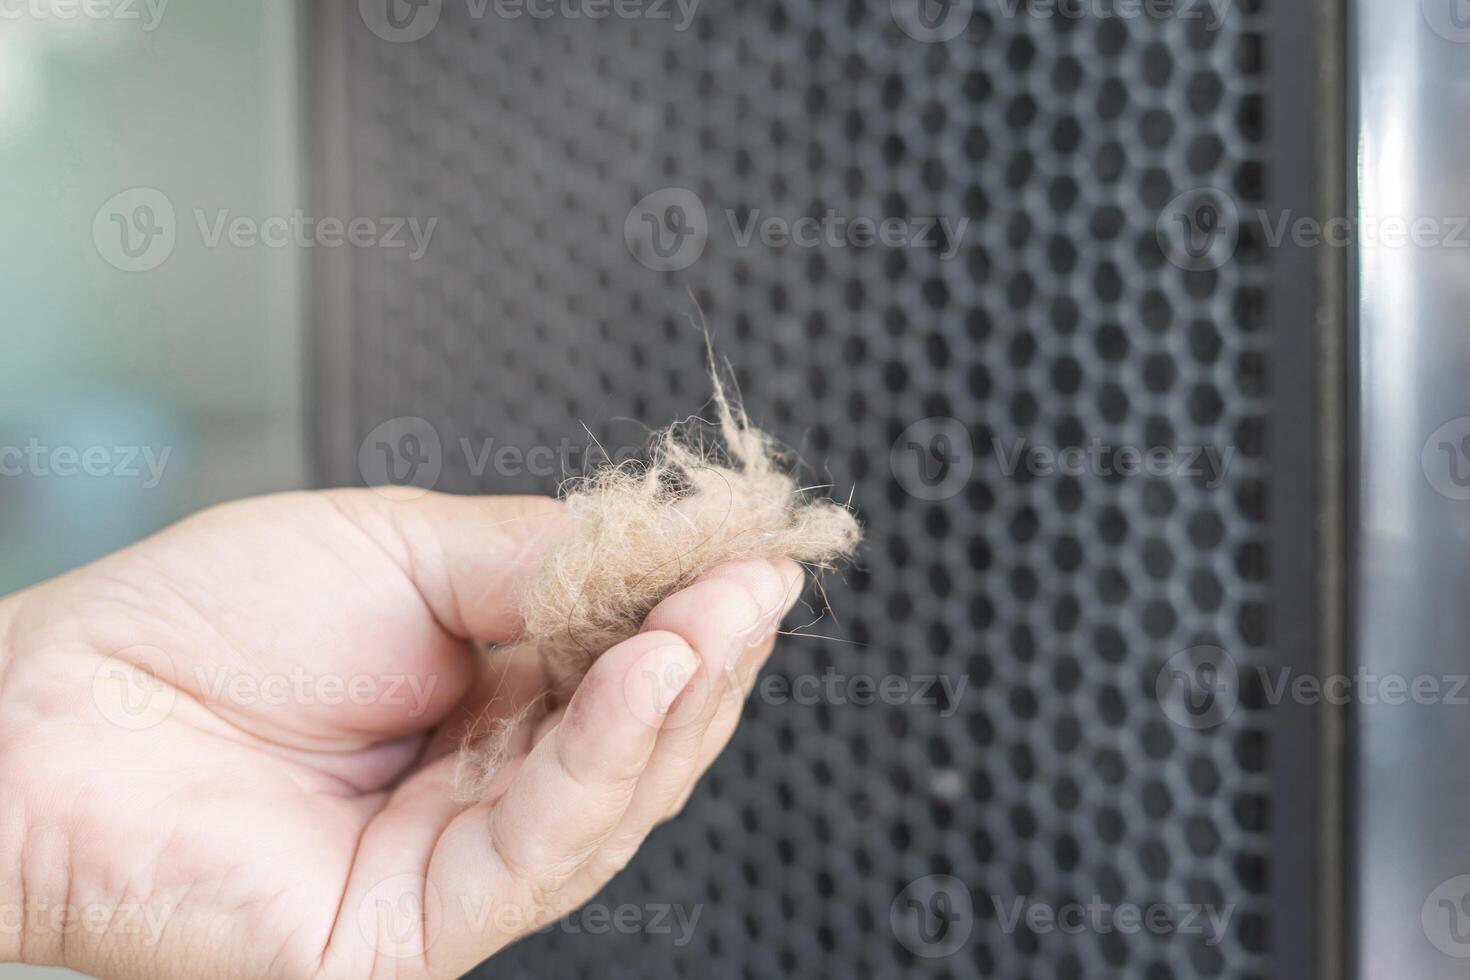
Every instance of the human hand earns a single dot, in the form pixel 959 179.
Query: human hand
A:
pixel 227 751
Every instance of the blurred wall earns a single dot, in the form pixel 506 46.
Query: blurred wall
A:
pixel 147 367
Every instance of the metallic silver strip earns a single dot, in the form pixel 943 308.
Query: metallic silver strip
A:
pixel 1409 789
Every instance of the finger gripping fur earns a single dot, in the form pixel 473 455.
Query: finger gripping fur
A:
pixel 637 532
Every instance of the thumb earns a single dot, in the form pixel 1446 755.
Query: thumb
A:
pixel 467 556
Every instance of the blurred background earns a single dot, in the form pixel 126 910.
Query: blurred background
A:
pixel 138 397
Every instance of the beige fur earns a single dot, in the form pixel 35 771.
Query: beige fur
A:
pixel 639 532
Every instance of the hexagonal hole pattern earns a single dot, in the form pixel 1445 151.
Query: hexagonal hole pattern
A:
pixel 1056 321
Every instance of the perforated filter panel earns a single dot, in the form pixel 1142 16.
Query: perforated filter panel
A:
pixel 540 306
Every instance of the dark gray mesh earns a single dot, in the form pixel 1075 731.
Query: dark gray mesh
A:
pixel 1058 321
